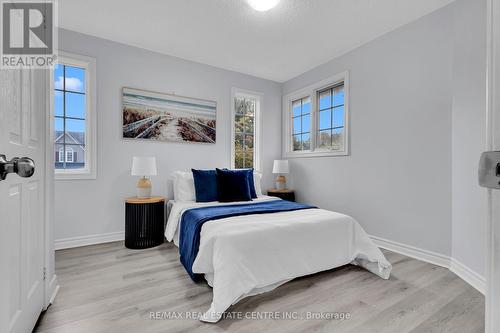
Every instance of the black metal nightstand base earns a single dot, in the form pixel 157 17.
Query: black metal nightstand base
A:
pixel 144 225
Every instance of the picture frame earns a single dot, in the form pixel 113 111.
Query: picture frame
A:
pixel 155 116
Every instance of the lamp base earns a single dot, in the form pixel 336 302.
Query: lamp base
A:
pixel 281 183
pixel 144 188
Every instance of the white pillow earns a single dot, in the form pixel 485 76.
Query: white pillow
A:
pixel 183 186
pixel 257 176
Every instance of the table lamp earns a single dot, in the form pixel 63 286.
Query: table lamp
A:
pixel 144 167
pixel 280 167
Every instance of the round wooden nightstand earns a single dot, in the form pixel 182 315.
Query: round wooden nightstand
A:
pixel 144 222
pixel 287 194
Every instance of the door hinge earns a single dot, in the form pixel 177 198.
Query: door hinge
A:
pixel 44 273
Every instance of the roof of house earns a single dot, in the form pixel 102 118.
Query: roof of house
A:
pixel 71 137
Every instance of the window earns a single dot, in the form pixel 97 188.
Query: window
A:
pixel 245 128
pixel 60 157
pixel 331 118
pixel 73 87
pixel 69 155
pixel 301 122
pixel 316 119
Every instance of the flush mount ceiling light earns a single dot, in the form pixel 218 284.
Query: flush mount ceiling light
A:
pixel 263 5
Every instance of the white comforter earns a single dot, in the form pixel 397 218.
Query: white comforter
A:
pixel 247 255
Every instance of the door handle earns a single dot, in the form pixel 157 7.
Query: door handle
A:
pixel 24 167
pixel 489 170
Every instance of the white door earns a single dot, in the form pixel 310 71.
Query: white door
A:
pixel 493 135
pixel 22 225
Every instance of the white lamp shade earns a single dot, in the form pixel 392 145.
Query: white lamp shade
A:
pixel 280 166
pixel 143 166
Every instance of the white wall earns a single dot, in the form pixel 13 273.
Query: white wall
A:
pixel 418 120
pixel 397 180
pixel 91 207
pixel 469 201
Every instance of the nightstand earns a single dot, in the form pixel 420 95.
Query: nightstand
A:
pixel 144 222
pixel 287 194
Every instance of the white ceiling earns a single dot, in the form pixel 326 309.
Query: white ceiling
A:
pixel 280 44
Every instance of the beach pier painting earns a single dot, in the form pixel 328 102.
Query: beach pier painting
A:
pixel 163 117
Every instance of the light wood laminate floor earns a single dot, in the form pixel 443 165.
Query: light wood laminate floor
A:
pixel 108 288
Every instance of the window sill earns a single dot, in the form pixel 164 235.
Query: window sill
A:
pixel 84 175
pixel 317 153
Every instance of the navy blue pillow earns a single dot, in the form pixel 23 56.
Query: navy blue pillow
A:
pixel 205 185
pixel 249 173
pixel 251 184
pixel 233 185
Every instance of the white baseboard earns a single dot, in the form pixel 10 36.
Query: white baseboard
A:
pixel 468 275
pixel 413 252
pixel 52 290
pixel 68 243
pixel 465 273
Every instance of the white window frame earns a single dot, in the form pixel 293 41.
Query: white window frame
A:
pixel 70 152
pixel 61 155
pixel 259 98
pixel 312 92
pixel 89 64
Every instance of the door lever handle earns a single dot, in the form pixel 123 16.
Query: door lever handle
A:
pixel 24 167
pixel 489 170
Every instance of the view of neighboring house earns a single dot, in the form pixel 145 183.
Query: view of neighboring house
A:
pixel 74 158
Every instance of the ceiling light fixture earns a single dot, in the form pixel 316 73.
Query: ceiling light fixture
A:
pixel 263 5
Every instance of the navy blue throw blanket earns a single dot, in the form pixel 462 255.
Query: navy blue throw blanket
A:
pixel 193 219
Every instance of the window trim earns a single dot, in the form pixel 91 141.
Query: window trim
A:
pixel 89 63
pixel 312 92
pixel 301 116
pixel 236 92
pixel 61 155
pixel 70 152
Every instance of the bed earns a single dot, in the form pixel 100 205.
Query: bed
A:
pixel 245 255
